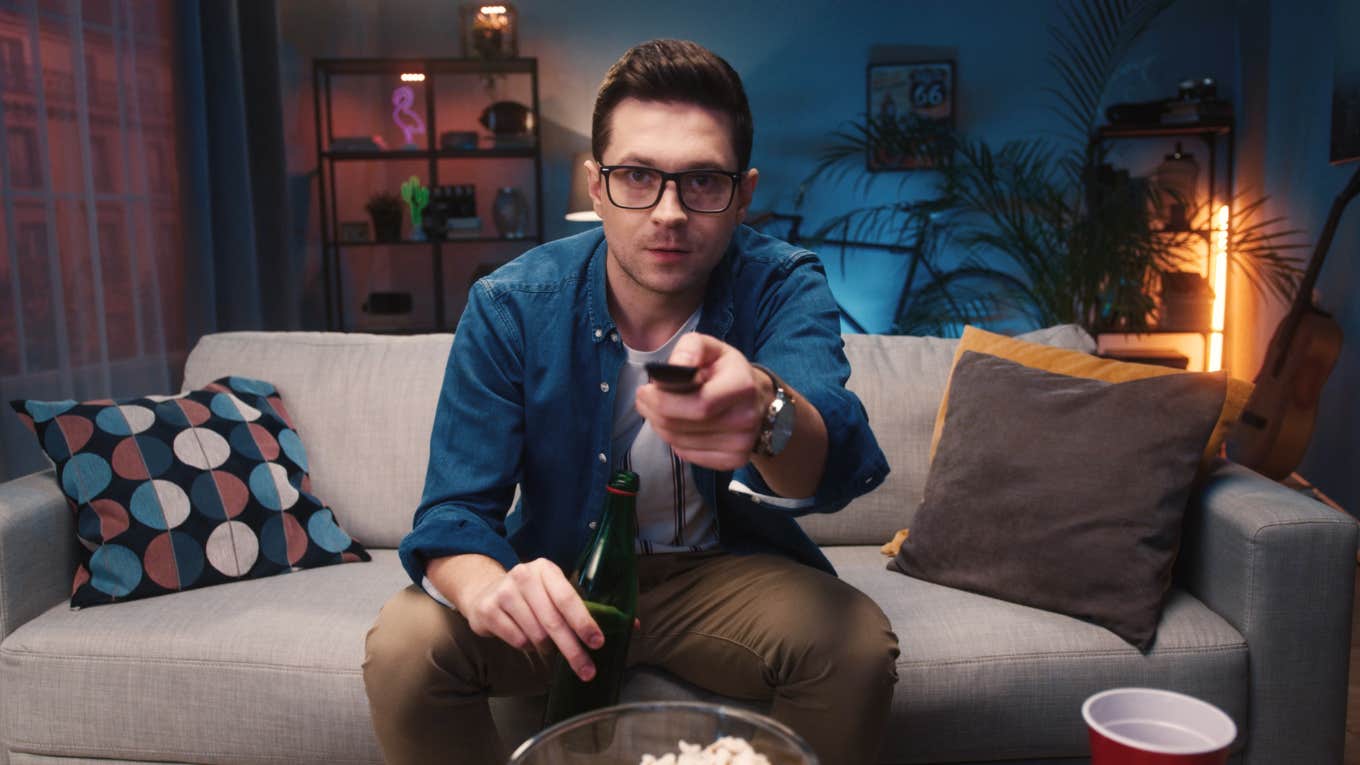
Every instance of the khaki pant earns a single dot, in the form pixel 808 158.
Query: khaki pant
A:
pixel 750 627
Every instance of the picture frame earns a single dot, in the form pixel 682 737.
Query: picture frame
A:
pixel 898 94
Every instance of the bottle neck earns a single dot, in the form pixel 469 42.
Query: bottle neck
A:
pixel 615 538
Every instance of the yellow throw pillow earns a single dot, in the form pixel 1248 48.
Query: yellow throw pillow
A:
pixel 1078 364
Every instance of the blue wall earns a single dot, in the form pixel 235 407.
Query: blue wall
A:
pixel 804 68
pixel 1294 129
pixel 803 64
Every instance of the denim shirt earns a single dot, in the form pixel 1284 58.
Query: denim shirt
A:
pixel 528 400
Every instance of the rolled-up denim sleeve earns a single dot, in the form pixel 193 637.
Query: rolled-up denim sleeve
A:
pixel 798 337
pixel 475 444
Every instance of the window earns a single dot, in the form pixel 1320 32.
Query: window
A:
pixel 24 165
pixel 101 161
pixel 13 66
pixel 60 267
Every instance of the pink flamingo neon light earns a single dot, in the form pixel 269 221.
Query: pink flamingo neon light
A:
pixel 408 120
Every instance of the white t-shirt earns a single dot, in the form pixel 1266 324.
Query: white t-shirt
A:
pixel 672 516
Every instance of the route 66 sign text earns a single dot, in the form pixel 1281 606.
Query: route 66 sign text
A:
pixel 900 95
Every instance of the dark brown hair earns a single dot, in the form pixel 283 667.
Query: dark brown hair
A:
pixel 674 70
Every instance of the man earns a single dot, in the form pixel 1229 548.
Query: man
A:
pixel 544 389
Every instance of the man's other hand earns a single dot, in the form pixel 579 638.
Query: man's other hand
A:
pixel 530 607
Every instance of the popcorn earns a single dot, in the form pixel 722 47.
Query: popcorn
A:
pixel 728 750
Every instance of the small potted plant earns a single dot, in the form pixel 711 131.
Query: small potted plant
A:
pixel 386 211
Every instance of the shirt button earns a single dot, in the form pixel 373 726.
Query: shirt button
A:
pixel 601 457
pixel 604 387
pixel 599 333
pixel 614 336
pixel 592 525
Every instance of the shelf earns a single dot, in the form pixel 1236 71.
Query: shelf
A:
pixel 525 152
pixel 439 164
pixel 1165 357
pixel 464 66
pixel 424 330
pixel 1159 331
pixel 1202 233
pixel 451 240
pixel 1155 130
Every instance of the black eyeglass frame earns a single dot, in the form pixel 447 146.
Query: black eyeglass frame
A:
pixel 605 170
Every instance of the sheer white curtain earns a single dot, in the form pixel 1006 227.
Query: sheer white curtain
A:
pixel 91 263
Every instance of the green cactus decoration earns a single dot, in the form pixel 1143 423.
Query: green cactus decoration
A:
pixel 417 197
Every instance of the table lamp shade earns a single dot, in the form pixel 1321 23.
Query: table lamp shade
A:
pixel 579 206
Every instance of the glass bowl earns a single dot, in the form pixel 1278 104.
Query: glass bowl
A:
pixel 621 735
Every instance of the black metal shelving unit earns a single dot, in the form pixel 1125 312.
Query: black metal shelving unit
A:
pixel 1212 133
pixel 333 249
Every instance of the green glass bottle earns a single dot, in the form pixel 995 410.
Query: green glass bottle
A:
pixel 606 579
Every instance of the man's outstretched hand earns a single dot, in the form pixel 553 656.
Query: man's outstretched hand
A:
pixel 716 425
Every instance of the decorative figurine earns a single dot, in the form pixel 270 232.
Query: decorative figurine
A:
pixel 416 197
pixel 410 122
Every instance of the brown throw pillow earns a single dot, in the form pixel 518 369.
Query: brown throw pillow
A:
pixel 1079 364
pixel 1062 493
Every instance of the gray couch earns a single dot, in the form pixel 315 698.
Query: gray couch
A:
pixel 268 671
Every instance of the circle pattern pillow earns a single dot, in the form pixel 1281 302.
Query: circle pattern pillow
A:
pixel 174 493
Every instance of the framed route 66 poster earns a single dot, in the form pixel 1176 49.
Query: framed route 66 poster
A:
pixel 907 104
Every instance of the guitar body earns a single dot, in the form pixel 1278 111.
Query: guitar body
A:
pixel 1278 422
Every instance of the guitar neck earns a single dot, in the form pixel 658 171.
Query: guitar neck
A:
pixel 1324 242
pixel 1303 301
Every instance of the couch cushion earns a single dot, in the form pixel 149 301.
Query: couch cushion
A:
pixel 260 671
pixel 365 404
pixel 1022 673
pixel 984 680
pixel 981 679
pixel 177 492
pixel 901 380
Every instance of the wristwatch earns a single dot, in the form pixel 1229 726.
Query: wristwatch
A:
pixel 777 427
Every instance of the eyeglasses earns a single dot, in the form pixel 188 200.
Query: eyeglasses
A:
pixel 633 187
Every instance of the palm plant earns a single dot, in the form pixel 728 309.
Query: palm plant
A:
pixel 1049 231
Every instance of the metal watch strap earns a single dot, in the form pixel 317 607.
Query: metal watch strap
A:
pixel 781 399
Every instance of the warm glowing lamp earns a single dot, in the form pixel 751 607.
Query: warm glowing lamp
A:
pixel 412 77
pixel 1218 273
pixel 580 208
pixel 490 30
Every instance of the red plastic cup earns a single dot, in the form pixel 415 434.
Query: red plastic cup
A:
pixel 1147 726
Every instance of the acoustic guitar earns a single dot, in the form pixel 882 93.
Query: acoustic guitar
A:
pixel 1273 433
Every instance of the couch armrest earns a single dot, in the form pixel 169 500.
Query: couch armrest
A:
pixel 37 548
pixel 1280 567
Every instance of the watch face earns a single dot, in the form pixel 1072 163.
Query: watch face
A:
pixel 782 428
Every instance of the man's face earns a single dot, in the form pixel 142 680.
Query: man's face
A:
pixel 667 251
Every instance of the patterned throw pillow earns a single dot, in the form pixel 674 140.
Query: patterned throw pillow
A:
pixel 179 492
